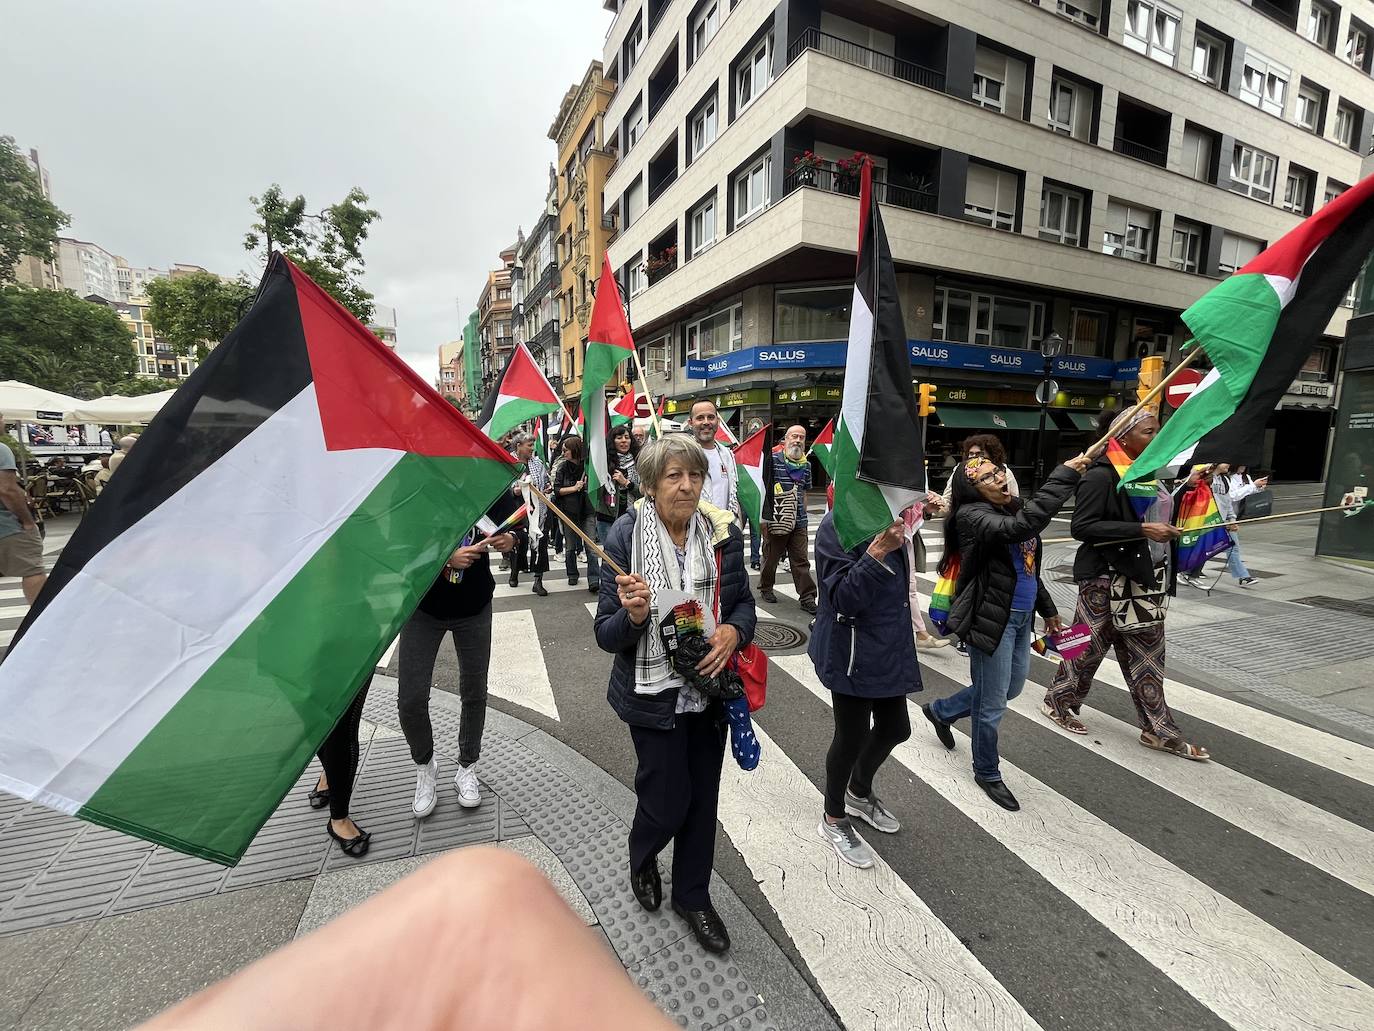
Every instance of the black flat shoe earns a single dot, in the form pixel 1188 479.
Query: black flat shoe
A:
pixel 355 847
pixel 707 926
pixel 540 589
pixel 514 580
pixel 572 581
pixel 769 597
pixel 318 799
pixel 808 606
pixel 942 730
pixel 999 793
pixel 593 588
pixel 647 886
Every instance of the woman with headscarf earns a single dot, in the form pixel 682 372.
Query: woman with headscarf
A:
pixel 1125 572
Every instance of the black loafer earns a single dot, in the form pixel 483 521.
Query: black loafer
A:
pixel 942 730
pixel 999 793
pixel 647 886
pixel 707 926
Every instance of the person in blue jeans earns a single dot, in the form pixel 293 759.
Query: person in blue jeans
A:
pixel 995 537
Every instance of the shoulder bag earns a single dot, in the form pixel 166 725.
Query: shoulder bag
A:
pixel 1136 608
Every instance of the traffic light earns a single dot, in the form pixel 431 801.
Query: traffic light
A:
pixel 925 399
pixel 1151 372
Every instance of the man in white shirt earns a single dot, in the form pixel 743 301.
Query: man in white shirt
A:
pixel 722 478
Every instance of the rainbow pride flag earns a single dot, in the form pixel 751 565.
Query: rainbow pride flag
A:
pixel 1141 492
pixel 943 596
pixel 1204 534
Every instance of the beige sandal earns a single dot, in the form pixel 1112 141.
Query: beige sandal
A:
pixel 1070 723
pixel 1176 745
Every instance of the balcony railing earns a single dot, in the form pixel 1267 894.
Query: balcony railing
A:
pixel 1285 17
pixel 863 57
pixel 1139 151
pixel 831 181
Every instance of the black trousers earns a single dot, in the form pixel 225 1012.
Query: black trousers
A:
pixel 677 786
pixel 339 755
pixel 866 732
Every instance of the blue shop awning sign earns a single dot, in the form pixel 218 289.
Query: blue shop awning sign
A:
pixel 830 354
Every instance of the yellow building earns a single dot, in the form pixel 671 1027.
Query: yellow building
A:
pixel 583 164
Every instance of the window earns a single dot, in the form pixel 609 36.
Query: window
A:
pixel 1085 12
pixel 1297 190
pixel 1152 30
pixel 703 131
pixel 1309 110
pixel 1252 172
pixel 990 196
pixel 1320 23
pixel 636 278
pixel 964 317
pixel 634 124
pixel 751 190
pixel 813 313
pixel 1357 47
pixel 1209 56
pixel 1071 108
pixel 1088 330
pixel 716 334
pixel 1237 251
pixel 1130 231
pixel 654 355
pixel 1264 84
pixel 1061 215
pixel 753 74
pixel 634 45
pixel 1333 190
pixel 701 229
pixel 504 293
pixel 1185 249
pixel 634 201
pixel 987 91
pixel 704 27
pixel 999 81
pixel 1345 125
pixel 1197 154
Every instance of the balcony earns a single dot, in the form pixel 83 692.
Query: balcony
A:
pixel 829 180
pixel 1142 133
pixel 1139 151
pixel 1286 14
pixel 863 57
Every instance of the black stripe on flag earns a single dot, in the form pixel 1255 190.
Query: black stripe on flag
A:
pixel 261 365
pixel 1325 279
pixel 893 449
pixel 489 405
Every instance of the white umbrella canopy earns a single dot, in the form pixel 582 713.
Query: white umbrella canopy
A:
pixel 23 402
pixel 120 410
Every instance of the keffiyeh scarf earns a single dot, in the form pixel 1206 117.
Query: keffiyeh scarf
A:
pixel 654 557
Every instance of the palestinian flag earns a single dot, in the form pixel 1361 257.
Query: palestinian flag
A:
pixel 622 413
pixel 276 525
pixel 1258 328
pixel 754 460
pixel 724 434
pixel 608 344
pixel 878 451
pixel 1204 535
pixel 522 393
pixel 821 447
pixel 656 428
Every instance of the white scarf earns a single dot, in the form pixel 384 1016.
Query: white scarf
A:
pixel 654 557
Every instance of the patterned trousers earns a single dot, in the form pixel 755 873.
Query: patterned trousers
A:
pixel 1141 656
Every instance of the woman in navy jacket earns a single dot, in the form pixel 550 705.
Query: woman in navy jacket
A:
pixel 865 654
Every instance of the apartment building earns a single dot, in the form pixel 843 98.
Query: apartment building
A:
pixel 449 382
pixel 1085 169
pixel 383 324
pixel 585 156
pixel 87 269
pixel 536 314
pixel 494 330
pixel 30 270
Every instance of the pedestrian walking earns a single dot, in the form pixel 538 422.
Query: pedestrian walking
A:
pixel 570 495
pixel 1123 587
pixel 339 756
pixel 995 540
pixel 671 544
pixel 619 495
pixel 1230 489
pixel 787 533
pixel 21 545
pixel 865 655
pixel 458 603
pixel 530 550
pixel 722 475
pixel 981 445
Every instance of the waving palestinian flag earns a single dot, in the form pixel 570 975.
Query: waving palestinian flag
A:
pixel 754 460
pixel 277 523
pixel 821 448
pixel 725 435
pixel 521 394
pixel 622 413
pixel 608 344
pixel 1258 328
pixel 878 451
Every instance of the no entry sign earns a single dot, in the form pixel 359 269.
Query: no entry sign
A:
pixel 1182 387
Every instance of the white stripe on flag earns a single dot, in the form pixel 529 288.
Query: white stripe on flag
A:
pixel 173 593
pixel 858 360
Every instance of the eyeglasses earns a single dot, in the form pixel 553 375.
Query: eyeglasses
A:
pixel 992 477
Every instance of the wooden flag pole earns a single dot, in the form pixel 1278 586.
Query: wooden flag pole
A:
pixel 643 382
pixel 1158 389
pixel 595 548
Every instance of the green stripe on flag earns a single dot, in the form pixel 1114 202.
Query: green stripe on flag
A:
pixel 860 508
pixel 250 725
pixel 514 412
pixel 598 369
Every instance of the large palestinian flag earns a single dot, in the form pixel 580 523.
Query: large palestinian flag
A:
pixel 608 344
pixel 822 448
pixel 240 577
pixel 1257 329
pixel 521 394
pixel 878 450
pixel 754 460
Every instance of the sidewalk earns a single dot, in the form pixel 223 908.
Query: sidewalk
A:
pixel 101 930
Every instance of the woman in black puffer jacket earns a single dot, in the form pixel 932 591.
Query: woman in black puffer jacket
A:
pixel 996 539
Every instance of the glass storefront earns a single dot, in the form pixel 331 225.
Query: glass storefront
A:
pixel 1351 472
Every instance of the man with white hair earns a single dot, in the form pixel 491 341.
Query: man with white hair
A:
pixel 126 443
pixel 791 481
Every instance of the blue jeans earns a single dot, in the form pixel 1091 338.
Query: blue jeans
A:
pixel 592 527
pixel 753 545
pixel 997 679
pixel 1235 565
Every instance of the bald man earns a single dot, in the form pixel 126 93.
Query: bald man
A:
pixel 791 478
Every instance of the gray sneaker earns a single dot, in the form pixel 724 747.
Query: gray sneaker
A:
pixel 871 811
pixel 845 840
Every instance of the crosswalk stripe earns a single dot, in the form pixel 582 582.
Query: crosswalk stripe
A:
pixel 1321 839
pixel 552 584
pixel 1240 967
pixel 883 959
pixel 520 676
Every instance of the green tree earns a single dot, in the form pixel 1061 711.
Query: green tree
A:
pixel 196 310
pixel 29 222
pixel 327 246
pixel 53 339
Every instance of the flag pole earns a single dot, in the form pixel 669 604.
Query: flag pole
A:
pixel 643 382
pixel 1149 398
pixel 595 548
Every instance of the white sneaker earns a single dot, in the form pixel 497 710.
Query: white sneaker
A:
pixel 469 797
pixel 845 840
pixel 426 781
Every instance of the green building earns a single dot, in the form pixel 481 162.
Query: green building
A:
pixel 472 365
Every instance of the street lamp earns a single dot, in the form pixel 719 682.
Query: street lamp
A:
pixel 1044 393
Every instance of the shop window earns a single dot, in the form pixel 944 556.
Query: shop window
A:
pixel 813 313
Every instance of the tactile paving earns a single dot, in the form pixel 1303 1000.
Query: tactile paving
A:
pixel 634 933
pixel 694 988
pixel 600 865
pixel 755 1020
pixel 564 823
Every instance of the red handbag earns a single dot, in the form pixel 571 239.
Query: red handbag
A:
pixel 750 662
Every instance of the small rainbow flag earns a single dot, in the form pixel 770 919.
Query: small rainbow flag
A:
pixel 943 596
pixel 1204 534
pixel 1141 492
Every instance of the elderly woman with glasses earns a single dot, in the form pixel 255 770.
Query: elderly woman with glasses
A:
pixel 995 539
pixel 676 549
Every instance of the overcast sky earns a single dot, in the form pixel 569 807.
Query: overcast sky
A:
pixel 157 119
